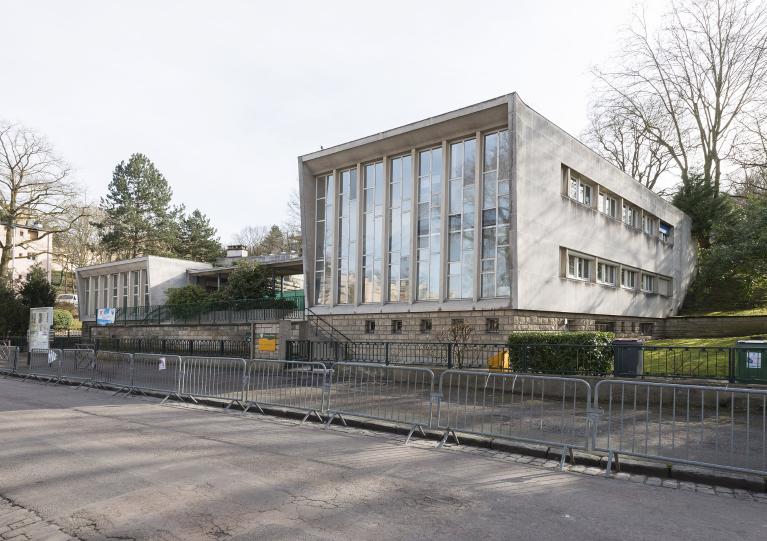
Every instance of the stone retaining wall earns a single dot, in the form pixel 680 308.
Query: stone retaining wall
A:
pixel 708 326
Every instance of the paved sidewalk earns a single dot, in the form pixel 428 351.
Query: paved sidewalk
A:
pixel 103 467
pixel 19 524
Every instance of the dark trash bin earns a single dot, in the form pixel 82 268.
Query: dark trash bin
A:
pixel 628 360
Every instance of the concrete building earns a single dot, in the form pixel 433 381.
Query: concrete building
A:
pixel 128 283
pixel 491 215
pixel 31 245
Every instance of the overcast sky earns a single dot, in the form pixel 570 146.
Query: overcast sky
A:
pixel 224 95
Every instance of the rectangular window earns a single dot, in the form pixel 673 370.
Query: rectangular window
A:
pixel 145 281
pixel 648 283
pixel 630 216
pixel 425 326
pixel 124 278
pixel 646 328
pixel 429 223
pixel 370 326
pixel 396 326
pixel 648 224
pixel 323 245
pixel 347 236
pixel 578 267
pixel 495 219
pixel 664 231
pixel 400 225
pixel 608 205
pixel 461 216
pixel 577 187
pixel 628 278
pixel 372 231
pixel 492 325
pixel 115 288
pixel 606 274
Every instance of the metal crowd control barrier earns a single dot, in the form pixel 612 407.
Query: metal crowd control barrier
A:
pixel 212 377
pixel 114 369
pixel 8 357
pixel 397 394
pixel 288 384
pixel 156 373
pixel 552 411
pixel 78 365
pixel 715 427
pixel 42 364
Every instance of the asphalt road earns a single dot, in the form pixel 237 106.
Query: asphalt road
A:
pixel 103 467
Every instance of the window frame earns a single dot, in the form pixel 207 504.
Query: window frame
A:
pixel 396 326
pixel 633 272
pixel 652 281
pixel 425 326
pixel 578 257
pixel 607 264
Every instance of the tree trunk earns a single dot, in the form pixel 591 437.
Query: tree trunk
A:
pixel 5 258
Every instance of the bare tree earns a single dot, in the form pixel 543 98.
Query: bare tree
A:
pixel 292 225
pixel 627 143
pixel 34 186
pixel 251 237
pixel 703 73
pixel 78 246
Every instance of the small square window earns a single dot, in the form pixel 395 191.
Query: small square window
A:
pixel 492 325
pixel 370 326
pixel 425 326
pixel 646 328
pixel 396 326
pixel 456 322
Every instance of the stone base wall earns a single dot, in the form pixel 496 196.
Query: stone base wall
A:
pixel 354 326
pixel 703 327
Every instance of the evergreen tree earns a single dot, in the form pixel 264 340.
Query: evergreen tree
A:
pixel 36 291
pixel 197 238
pixel 139 217
pixel 274 242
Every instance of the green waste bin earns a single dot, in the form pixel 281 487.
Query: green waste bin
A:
pixel 751 361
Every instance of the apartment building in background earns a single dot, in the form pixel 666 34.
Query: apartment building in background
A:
pixel 489 215
pixel 31 246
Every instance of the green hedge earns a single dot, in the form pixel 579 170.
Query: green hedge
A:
pixel 585 353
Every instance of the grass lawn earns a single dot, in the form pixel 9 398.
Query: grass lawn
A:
pixel 760 311
pixel 691 357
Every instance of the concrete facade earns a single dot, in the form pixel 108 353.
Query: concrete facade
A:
pixel 129 283
pixel 548 224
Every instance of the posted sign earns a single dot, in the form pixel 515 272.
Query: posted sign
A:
pixel 105 316
pixel 754 359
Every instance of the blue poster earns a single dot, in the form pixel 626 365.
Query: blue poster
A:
pixel 105 316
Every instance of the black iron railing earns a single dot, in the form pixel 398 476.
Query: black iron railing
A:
pixel 211 313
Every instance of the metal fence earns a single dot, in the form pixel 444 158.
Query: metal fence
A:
pixel 548 410
pixel 397 394
pixel 175 346
pixel 291 385
pixel 8 358
pixel 555 359
pixel 206 313
pixel 719 427
pixel 709 426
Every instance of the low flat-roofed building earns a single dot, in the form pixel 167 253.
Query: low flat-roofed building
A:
pixel 128 283
pixel 491 215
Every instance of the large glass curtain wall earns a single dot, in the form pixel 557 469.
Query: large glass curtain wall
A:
pixel 323 239
pixel 461 204
pixel 372 232
pixel 347 236
pixel 496 216
pixel 429 220
pixel 400 202
pixel 404 192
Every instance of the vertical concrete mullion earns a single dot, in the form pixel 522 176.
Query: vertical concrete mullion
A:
pixel 334 255
pixel 413 277
pixel 360 240
pixel 478 184
pixel 384 243
pixel 443 238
